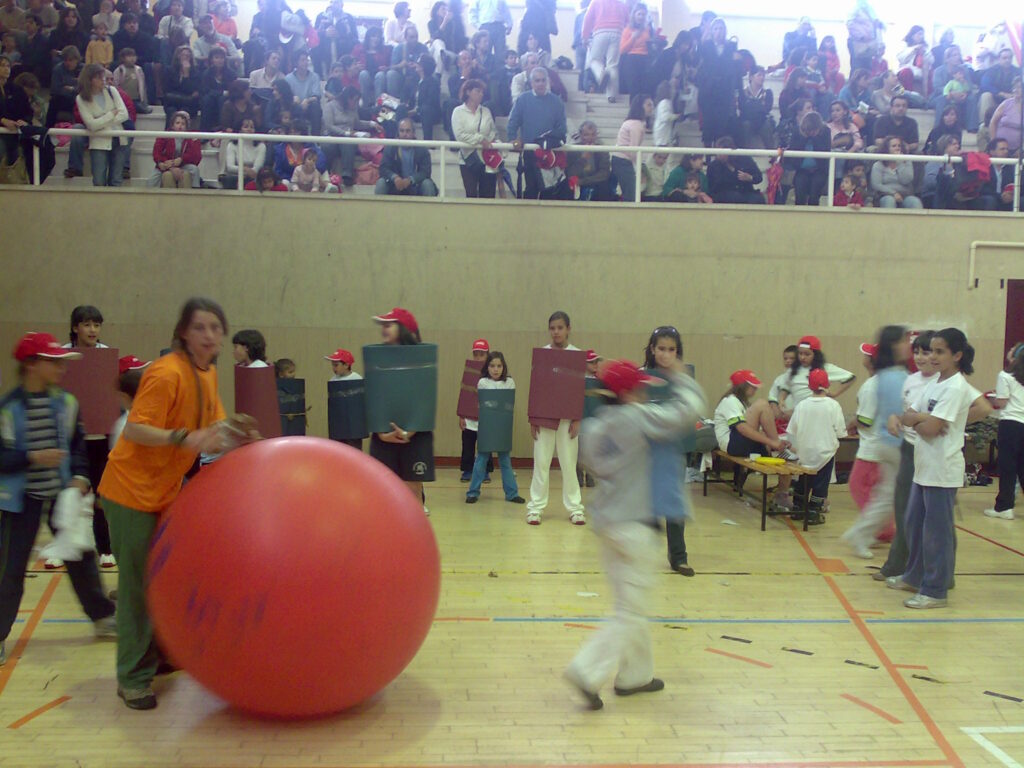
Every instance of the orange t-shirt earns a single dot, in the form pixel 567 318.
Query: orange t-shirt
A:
pixel 147 478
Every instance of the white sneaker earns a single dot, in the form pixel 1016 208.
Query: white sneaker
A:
pixel 897 582
pixel 105 629
pixel 578 518
pixel 107 561
pixel 1006 514
pixel 53 563
pixel 533 518
pixel 923 601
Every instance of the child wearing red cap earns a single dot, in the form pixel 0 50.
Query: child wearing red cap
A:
pixel 814 432
pixel 42 452
pixel 129 377
pixel 616 446
pixel 810 357
pixel 470 427
pixel 341 367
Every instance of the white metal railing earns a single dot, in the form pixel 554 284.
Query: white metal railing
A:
pixel 638 152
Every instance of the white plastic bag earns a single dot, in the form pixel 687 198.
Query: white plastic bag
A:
pixel 72 517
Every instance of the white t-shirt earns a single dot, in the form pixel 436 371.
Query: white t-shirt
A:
pixel 776 389
pixel 350 376
pixel 939 461
pixel 815 429
pixel 663 123
pixel 1008 388
pixel 99 345
pixel 796 384
pixel 867 421
pixel 730 411
pixel 912 388
pixel 257 364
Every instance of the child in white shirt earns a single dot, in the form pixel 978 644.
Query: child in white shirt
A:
pixel 814 432
pixel 1010 401
pixel 341 365
pixel 494 375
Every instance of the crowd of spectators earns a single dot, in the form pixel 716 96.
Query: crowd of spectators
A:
pixel 97 64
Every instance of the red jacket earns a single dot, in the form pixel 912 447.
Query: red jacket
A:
pixel 191 151
pixel 841 200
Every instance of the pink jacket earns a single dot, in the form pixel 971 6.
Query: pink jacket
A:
pixel 605 16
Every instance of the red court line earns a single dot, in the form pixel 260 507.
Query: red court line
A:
pixel 990 541
pixel 738 657
pixel 579 626
pixel 37 712
pixel 880 712
pixel 909 666
pixel 30 626
pixel 926 719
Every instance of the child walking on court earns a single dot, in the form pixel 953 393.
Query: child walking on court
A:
pixel 469 427
pixel 1010 399
pixel 814 432
pixel 616 447
pixel 494 376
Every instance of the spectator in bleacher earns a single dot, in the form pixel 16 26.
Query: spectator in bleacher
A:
pixel 958 187
pixel 341 118
pixel 631 134
pixel 602 31
pixel 915 61
pixel 967 104
pixel 472 123
pixel 100 49
pixel 896 123
pixel 856 95
pixel 803 36
pixel 222 20
pixel 262 80
pixel 1006 120
pixel 254 50
pixel 338 36
pixel 12 18
pixel 306 177
pixel 999 186
pixel 174 30
pixel 949 125
pixel 997 84
pixel 718 81
pixel 401 78
pixel 266 181
pixel 35 50
pixel 247 160
pixel 756 103
pixel 893 180
pixel 177 160
pixel 447 31
pixel 533 46
pixel 789 127
pixel 64 86
pixel 663 130
pixel 494 18
pixel 307 90
pixel 427 106
pixel 501 96
pixel 131 78
pixel 288 155
pixel 147 23
pixel 108 16
pixel 281 100
pixel 375 59
pixel 635 50
pixel 102 108
pixel 591 169
pixel 538 22
pixel 394 28
pixel 15 112
pixel 843 133
pixel 213 91
pixel 672 64
pixel 146 47
pixel 731 178
pixel 70 31
pixel 239 106
pixel 794 90
pixel 810 175
pixel 865 37
pixel 406 170
pixel 882 97
pixel 831 65
pixel 521 82
pixel 654 173
pixel 208 39
pixel 939 50
pixel 536 114
pixel 181 86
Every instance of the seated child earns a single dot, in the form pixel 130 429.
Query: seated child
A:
pixel 848 195
pixel 307 178
pixel 654 174
pixel 814 432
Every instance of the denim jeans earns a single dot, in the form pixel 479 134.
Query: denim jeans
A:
pixel 508 478
pixel 107 166
pixel 931 539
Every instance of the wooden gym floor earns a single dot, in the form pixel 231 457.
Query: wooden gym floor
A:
pixel 781 652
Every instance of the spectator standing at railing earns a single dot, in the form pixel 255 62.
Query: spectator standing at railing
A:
pixel 718 83
pixel 602 31
pixel 406 170
pixel 591 169
pixel 494 18
pixel 731 178
pixel 102 108
pixel 307 91
pixel 893 180
pixel 472 123
pixel 896 123
pixel 177 160
pixel 537 114
pixel 120 155
pixel 631 134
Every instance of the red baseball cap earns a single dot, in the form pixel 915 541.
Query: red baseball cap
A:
pixel 340 356
pixel 810 342
pixel 622 376
pixel 592 356
pixel 481 345
pixel 131 363
pixel 817 379
pixel 744 376
pixel 869 349
pixel 34 344
pixel 401 316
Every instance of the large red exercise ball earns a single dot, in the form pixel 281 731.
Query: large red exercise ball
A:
pixel 294 577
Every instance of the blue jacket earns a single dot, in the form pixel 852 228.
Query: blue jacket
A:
pixel 14 452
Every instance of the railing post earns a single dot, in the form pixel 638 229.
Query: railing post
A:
pixel 36 181
pixel 1016 187
pixel 638 169
pixel 830 191
pixel 240 181
pixel 442 174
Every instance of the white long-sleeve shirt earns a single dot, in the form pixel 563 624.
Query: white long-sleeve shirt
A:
pixel 472 127
pixel 105 110
pixel 254 155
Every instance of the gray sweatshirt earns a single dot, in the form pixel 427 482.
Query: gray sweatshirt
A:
pixel 615 448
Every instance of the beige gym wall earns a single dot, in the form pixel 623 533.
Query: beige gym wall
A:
pixel 739 284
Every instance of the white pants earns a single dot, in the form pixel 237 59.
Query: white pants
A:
pixel 622 647
pixel 543 451
pixel 603 59
pixel 880 506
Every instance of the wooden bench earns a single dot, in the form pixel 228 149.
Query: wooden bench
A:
pixel 789 469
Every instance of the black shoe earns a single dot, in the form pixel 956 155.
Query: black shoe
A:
pixel 656 684
pixel 472 499
pixel 815 518
pixel 516 500
pixel 137 698
pixel 70 173
pixel 590 700
pixel 684 569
